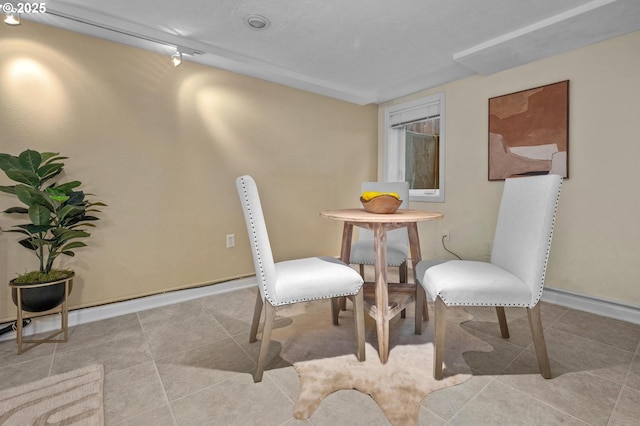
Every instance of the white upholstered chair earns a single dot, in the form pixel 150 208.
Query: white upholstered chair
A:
pixel 362 252
pixel 292 281
pixel 514 276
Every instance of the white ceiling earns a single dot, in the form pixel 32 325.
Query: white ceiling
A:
pixel 361 51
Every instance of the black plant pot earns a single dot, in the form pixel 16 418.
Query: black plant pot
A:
pixel 40 297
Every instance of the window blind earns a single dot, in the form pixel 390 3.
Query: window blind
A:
pixel 411 115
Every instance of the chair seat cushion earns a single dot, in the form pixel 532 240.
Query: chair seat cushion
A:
pixel 472 283
pixel 314 278
pixel 362 253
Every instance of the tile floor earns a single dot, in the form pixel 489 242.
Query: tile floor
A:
pixel 191 364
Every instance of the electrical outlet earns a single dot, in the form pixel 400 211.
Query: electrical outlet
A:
pixel 231 240
pixel 446 236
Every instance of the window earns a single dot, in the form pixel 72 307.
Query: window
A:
pixel 414 147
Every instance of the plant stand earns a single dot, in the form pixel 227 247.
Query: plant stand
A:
pixel 63 309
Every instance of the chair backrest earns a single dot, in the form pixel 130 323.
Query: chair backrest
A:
pixel 258 236
pixel 402 189
pixel 526 217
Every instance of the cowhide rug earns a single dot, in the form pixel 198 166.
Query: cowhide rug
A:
pixel 324 357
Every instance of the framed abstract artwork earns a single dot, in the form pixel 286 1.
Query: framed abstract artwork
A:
pixel 529 132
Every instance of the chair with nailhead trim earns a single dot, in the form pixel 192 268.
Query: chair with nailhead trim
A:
pixel 514 277
pixel 292 281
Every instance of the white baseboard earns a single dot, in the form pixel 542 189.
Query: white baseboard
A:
pixel 606 308
pixel 49 323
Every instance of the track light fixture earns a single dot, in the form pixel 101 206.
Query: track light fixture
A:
pixel 11 19
pixel 176 58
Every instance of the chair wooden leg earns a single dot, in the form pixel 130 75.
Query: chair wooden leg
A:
pixel 404 274
pixel 343 303
pixel 502 320
pixel 420 301
pixel 535 322
pixel 425 307
pixel 335 310
pixel 423 296
pixel 343 300
pixel 358 313
pixel 438 344
pixel 257 310
pixel 269 318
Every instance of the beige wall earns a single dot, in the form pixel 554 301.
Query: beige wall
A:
pixel 596 247
pixel 162 146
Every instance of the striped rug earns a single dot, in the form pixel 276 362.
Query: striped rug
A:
pixel 72 398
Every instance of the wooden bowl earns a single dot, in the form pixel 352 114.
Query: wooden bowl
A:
pixel 382 204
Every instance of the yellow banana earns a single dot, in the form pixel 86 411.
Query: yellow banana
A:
pixel 368 195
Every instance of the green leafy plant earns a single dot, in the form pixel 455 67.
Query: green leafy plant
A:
pixel 59 213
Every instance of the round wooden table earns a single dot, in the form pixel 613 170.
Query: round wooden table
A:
pixel 389 299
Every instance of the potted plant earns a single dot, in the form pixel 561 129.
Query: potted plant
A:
pixel 58 214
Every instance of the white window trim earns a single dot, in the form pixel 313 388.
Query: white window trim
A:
pixel 394 168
